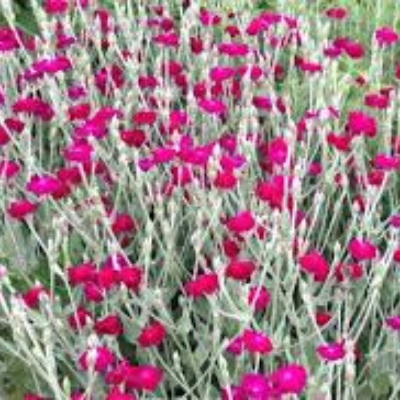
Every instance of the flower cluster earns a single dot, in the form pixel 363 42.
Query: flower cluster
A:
pixel 198 202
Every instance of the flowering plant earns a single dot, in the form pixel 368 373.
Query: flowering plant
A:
pixel 199 202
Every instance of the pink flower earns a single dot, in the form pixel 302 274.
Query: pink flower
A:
pixel 147 82
pixel 377 101
pixel 55 6
pixel 209 18
pixel 34 106
pixel 196 45
pixel 108 277
pixel 221 73
pixel 101 358
pixel 109 325
pixel 362 250
pixel 322 317
pixel 308 66
pixel 395 221
pixel 240 270
pixel 272 191
pixel 260 297
pixel 31 396
pixel 213 106
pixel 360 123
pixel 117 394
pixel 32 297
pixel 278 151
pixel 315 264
pixel 337 13
pixel 396 255
pixel 386 36
pixel 9 169
pixel 203 285
pixel 144 377
pixel 255 386
pixel 42 185
pixel 393 322
pixel 123 223
pixel 242 222
pixel 79 151
pixel 4 136
pixel 79 319
pixel 346 271
pixel 109 78
pixel 131 277
pixel 289 379
pixel 53 65
pixel 331 351
pixel 93 292
pixel 262 103
pixel 163 155
pixel 152 335
pixel 116 376
pixel 353 49
pixel 234 49
pixel 19 209
pixel 386 162
pixel 144 117
pixel 82 273
pixel 225 180
pixel 235 346
pixel 170 39
pixel 256 342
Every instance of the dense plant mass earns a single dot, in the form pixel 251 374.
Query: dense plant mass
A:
pixel 200 202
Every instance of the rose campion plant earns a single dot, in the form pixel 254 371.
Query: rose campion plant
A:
pixel 199 200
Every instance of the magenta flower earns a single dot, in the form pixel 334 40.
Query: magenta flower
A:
pixel 19 209
pixel 360 123
pixel 144 377
pixel 289 379
pixel 213 106
pixel 240 270
pixel 152 335
pixel 110 325
pixel 336 13
pixel 117 394
pixel 32 296
pixel 315 264
pixel 203 285
pixel 235 346
pixel 256 342
pixel 34 106
pixel 79 319
pixel 362 250
pixel 386 162
pixel 81 273
pixel 9 169
pixel 242 222
pixel 233 49
pixel 208 18
pixel 332 351
pixel 386 36
pixel 393 322
pixel 255 386
pixel 100 358
pixel 221 73
pixel 260 297
pixel 278 151
pixel 56 6
pixel 42 185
